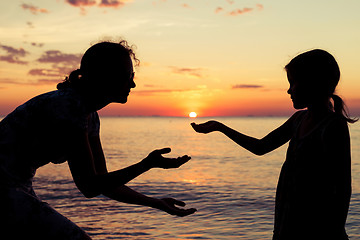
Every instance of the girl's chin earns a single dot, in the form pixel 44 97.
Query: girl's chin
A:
pixel 298 106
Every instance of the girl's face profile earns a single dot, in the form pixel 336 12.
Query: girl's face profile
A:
pixel 299 93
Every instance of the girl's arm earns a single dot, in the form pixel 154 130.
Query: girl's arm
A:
pixel 90 174
pixel 270 142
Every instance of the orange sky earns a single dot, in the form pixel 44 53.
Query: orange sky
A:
pixel 217 58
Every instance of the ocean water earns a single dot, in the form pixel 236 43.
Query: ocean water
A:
pixel 232 189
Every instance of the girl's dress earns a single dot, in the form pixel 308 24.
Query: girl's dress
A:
pixel 314 188
pixel 34 134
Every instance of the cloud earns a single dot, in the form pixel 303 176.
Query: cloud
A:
pixel 31 83
pixel 239 11
pixel 53 72
pixel 9 81
pixel 194 72
pixel 34 44
pixel 33 9
pixel 158 91
pixel 57 57
pixel 93 3
pixel 151 86
pixel 46 82
pixel 186 6
pixel 259 6
pixel 112 3
pixel 246 86
pixel 61 64
pixel 13 55
pixel 30 24
pixel 44 72
pixel 186 93
pixel 219 9
pixel 81 3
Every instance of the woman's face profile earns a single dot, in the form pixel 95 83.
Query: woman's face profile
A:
pixel 120 81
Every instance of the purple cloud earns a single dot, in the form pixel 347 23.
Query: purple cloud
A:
pixel 111 3
pixel 57 57
pixel 242 86
pixel 81 3
pixel 13 55
pixel 61 64
pixel 90 3
pixel 195 72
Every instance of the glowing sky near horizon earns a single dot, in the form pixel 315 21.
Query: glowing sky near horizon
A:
pixel 212 57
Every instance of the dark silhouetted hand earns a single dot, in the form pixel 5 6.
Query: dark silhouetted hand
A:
pixel 156 160
pixel 169 205
pixel 207 127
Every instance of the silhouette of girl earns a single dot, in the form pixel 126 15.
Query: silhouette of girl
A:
pixel 314 188
pixel 63 125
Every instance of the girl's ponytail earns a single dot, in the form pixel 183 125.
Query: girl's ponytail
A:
pixel 339 107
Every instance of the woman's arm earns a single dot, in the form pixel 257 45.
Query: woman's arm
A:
pixel 92 182
pixel 128 195
pixel 83 168
pixel 270 142
pixel 88 167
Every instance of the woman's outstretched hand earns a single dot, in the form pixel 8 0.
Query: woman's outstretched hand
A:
pixel 169 205
pixel 207 127
pixel 156 160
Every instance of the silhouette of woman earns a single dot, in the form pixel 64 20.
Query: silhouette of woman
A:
pixel 63 125
pixel 314 188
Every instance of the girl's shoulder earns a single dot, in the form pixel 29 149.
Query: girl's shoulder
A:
pixel 299 113
pixel 335 122
pixel 297 117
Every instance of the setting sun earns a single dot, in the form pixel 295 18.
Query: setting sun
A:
pixel 193 115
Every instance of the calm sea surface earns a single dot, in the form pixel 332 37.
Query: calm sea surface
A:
pixel 232 189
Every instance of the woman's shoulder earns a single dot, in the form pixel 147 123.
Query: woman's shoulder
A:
pixel 55 106
pixel 49 99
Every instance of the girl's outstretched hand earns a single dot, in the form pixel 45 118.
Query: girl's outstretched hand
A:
pixel 207 127
pixel 156 160
pixel 169 205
